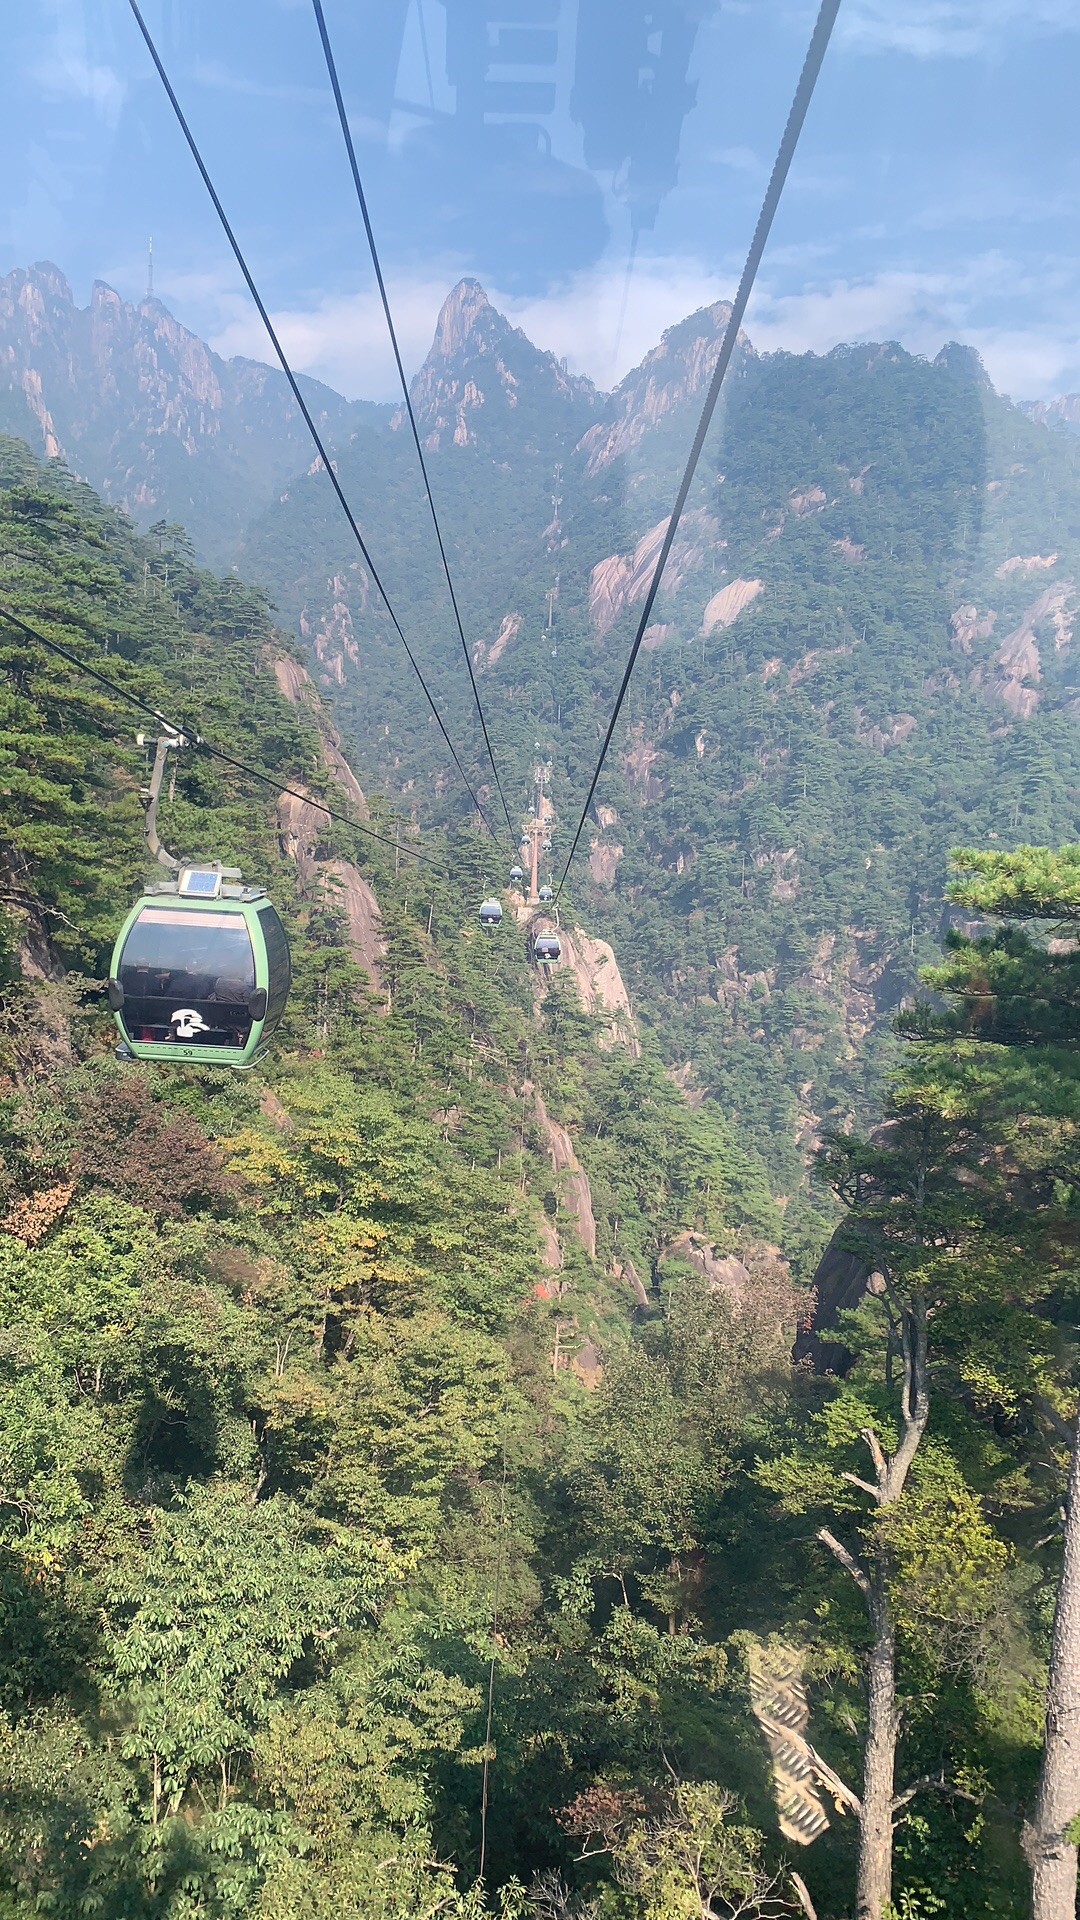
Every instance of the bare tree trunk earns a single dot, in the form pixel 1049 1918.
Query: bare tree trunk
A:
pixel 1051 1856
pixel 874 1882
pixel 879 1803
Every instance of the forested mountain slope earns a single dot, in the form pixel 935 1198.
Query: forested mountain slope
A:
pixel 864 652
pixel 408 1506
pixel 302 1372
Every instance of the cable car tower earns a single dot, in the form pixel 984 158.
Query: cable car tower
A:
pixel 536 833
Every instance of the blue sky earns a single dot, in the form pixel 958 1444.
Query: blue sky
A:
pixel 936 194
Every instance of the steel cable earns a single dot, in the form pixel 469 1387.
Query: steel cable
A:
pixel 196 740
pixel 804 93
pixel 298 396
pixel 331 68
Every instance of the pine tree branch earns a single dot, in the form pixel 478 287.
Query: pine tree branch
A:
pixel 802 1892
pixel 876 1454
pixel 865 1485
pixel 939 1782
pixel 847 1560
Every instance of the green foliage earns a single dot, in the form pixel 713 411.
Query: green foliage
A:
pixel 280 1444
pixel 308 1448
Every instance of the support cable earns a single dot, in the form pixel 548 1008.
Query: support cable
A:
pixel 331 68
pixel 804 93
pixel 297 395
pixel 205 746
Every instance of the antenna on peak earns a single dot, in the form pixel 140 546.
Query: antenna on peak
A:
pixel 150 269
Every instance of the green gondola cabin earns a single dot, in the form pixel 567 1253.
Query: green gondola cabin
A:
pixel 200 971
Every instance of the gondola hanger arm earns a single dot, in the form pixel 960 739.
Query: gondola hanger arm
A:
pixel 152 794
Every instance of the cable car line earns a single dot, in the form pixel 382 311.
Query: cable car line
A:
pixel 297 395
pixel 207 746
pixel 804 93
pixel 331 68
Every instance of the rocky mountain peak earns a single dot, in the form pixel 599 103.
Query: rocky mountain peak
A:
pixel 479 360
pixel 46 278
pixel 1062 412
pixel 145 410
pixel 675 370
pixel 963 360
pixel 460 317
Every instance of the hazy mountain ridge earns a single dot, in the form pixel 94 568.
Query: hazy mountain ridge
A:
pixel 1062 411
pixel 148 413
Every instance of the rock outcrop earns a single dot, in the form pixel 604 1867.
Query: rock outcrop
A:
pixel 892 732
pixel 1062 411
pixel 302 826
pixel 484 655
pixel 601 989
pixel 725 606
pixel 296 684
pixel 840 1281
pixel 676 371
pixel 1025 563
pixel 967 625
pixel 623 579
pixel 331 634
pixel 575 1191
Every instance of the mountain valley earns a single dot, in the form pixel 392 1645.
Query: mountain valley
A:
pixel 863 652
pixel 422 1456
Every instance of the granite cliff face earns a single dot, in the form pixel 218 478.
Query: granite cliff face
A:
pixel 677 370
pixel 147 412
pixel 484 379
pixel 1062 411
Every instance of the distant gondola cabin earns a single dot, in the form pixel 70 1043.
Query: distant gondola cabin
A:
pixel 491 913
pixel 200 971
pixel 547 949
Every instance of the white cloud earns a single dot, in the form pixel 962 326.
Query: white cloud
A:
pixel 342 339
pixel 930 29
pixel 739 159
pixel 66 74
pixel 220 78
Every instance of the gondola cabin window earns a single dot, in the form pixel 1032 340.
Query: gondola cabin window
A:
pixel 188 975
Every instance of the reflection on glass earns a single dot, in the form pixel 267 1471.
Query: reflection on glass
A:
pixel 497 173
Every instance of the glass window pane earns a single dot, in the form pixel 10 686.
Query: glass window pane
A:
pixel 187 976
